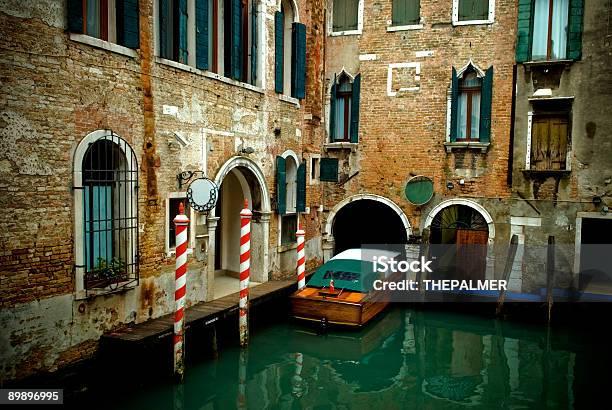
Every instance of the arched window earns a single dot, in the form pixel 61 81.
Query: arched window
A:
pixel 344 108
pixel 106 207
pixel 290 194
pixel 290 52
pixel 468 106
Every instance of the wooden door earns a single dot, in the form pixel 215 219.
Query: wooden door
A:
pixel 471 259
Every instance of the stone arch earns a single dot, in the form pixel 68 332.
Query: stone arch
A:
pixel 467 202
pixel 294 7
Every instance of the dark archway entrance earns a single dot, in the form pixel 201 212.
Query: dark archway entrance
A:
pixel 460 236
pixel 367 222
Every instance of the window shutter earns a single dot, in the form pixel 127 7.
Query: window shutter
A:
pixel 183 31
pixel 332 112
pixel 355 109
pixel 485 106
pixel 254 43
pixel 524 31
pixel 298 63
pixel 128 30
pixel 301 188
pixel 574 40
pixel 236 51
pixel 202 34
pixel 281 188
pixel 278 51
pixel 406 12
pixel 75 16
pixel 329 170
pixel 163 28
pixel 454 101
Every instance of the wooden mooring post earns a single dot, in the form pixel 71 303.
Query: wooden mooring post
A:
pixel 550 272
pixel 507 271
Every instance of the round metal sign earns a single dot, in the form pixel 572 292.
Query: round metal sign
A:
pixel 419 190
pixel 202 194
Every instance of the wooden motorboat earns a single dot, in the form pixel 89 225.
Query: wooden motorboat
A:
pixel 340 291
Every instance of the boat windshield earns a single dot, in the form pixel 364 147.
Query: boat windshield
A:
pixel 348 274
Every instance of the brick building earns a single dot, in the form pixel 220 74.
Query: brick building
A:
pixel 103 104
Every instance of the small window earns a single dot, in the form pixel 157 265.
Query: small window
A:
pixel 406 12
pixel 314 169
pixel 173 211
pixel 288 229
pixel 550 19
pixel 473 10
pixel 468 107
pixel 550 136
pixel 345 15
pixel 343 98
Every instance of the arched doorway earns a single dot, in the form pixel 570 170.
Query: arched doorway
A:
pixel 366 220
pixel 460 236
pixel 239 179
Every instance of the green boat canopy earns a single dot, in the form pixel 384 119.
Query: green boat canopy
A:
pixel 348 274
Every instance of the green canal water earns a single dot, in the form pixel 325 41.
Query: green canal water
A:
pixel 404 359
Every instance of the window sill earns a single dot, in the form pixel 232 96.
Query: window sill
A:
pixel 482 146
pixel 290 100
pixel 546 172
pixel 405 28
pixel 92 293
pixel 287 247
pixel 103 44
pixel 345 33
pixel 536 63
pixel 208 74
pixel 340 145
pixel 471 22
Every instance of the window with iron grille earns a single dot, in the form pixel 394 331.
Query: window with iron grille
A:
pixel 110 214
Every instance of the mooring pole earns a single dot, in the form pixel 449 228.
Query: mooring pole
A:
pixel 301 256
pixel 181 222
pixel 242 375
pixel 297 389
pixel 550 271
pixel 245 271
pixel 507 271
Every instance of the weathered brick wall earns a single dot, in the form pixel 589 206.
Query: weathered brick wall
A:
pixel 55 91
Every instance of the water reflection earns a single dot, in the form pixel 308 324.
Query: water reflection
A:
pixel 405 359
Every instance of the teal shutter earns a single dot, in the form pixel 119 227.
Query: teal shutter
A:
pixel 254 43
pixel 183 53
pixel 329 170
pixel 485 106
pixel 236 37
pixel 301 189
pixel 574 39
pixel 281 186
pixel 202 34
pixel 354 131
pixel 524 31
pixel 454 102
pixel 128 30
pixel 75 16
pixel 163 28
pixel 332 111
pixel 279 52
pixel 405 12
pixel 298 63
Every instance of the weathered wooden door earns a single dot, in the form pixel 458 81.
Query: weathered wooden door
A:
pixel 471 258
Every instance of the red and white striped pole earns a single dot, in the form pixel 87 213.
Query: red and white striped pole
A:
pixel 181 222
pixel 301 256
pixel 245 271
pixel 297 388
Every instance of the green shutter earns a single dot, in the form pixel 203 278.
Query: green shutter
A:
pixel 163 28
pixel 236 36
pixel 128 30
pixel 281 187
pixel 202 34
pixel 75 16
pixel 454 102
pixel 279 52
pixel 298 63
pixel 183 53
pixel 406 12
pixel 338 17
pixel 254 43
pixel 524 31
pixel 354 131
pixel 574 38
pixel 301 188
pixel 329 170
pixel 486 100
pixel 332 111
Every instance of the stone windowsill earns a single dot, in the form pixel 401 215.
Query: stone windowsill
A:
pixel 546 172
pixel 290 100
pixel 287 247
pixel 471 22
pixel 340 145
pixel 405 28
pixel 541 63
pixel 103 44
pixel 345 33
pixel 92 293
pixel 482 146
pixel 208 74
